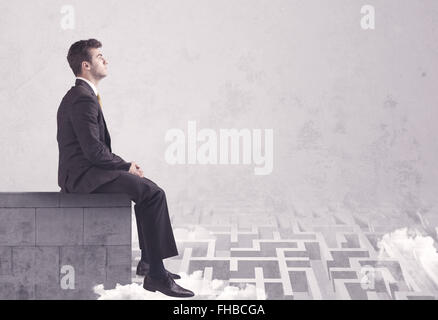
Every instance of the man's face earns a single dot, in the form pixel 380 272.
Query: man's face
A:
pixel 98 67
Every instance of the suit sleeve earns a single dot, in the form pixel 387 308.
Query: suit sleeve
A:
pixel 83 116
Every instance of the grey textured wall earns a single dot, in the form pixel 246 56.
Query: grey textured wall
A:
pixel 352 110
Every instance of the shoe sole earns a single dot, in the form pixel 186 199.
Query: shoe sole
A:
pixel 153 289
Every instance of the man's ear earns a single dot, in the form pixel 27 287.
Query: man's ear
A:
pixel 85 65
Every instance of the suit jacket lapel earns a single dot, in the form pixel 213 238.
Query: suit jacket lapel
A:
pixel 107 135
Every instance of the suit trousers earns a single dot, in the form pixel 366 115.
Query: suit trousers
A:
pixel 155 234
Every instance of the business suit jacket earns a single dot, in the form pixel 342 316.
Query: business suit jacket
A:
pixel 86 160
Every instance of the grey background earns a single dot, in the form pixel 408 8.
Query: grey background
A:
pixel 353 111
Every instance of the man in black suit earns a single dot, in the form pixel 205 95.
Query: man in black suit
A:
pixel 87 165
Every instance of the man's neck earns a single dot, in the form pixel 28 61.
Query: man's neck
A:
pixel 91 79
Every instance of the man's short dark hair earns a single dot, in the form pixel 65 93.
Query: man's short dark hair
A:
pixel 79 51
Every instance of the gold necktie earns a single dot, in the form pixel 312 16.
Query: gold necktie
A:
pixel 100 101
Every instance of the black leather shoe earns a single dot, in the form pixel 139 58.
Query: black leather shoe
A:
pixel 166 286
pixel 143 270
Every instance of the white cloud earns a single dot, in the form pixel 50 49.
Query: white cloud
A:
pixel 417 256
pixel 193 233
pixel 203 289
pixel 235 293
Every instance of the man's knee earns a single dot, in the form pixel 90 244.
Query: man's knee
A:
pixel 151 192
pixel 153 198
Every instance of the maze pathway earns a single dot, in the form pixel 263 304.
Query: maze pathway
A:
pixel 292 255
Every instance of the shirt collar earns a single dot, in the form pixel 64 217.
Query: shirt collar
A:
pixel 91 85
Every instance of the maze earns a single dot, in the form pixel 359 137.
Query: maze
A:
pixel 292 255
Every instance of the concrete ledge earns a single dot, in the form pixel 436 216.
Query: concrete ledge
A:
pixel 57 199
pixel 58 246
